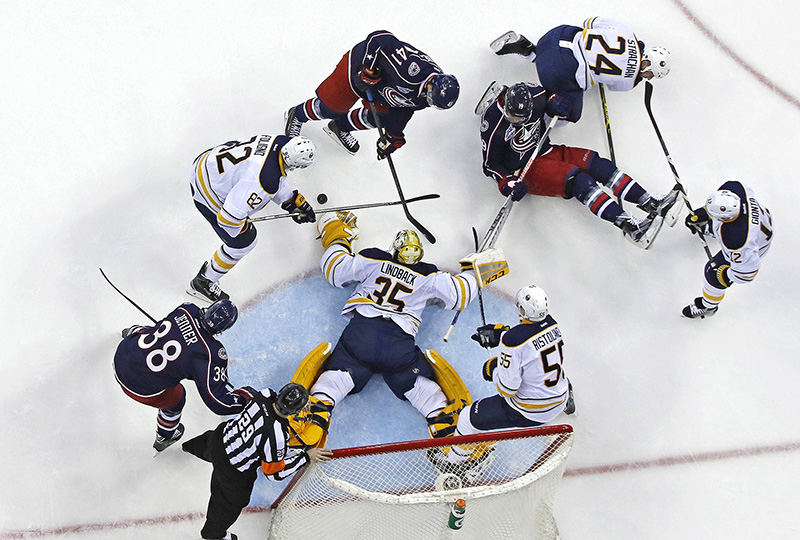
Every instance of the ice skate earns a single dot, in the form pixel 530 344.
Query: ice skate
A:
pixel 643 231
pixel 344 138
pixel 162 443
pixel 698 310
pixel 666 207
pixel 203 288
pixel 293 125
pixel 512 43
pixel 130 330
pixel 569 408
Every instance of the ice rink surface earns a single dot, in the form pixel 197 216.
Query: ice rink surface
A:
pixel 684 429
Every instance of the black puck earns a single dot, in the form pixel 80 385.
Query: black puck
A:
pixel 322 198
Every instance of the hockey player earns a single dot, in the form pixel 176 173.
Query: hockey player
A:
pixel 232 181
pixel 398 77
pixel 385 312
pixel 743 228
pixel 512 126
pixel 528 373
pixel 569 59
pixel 257 437
pixel 151 362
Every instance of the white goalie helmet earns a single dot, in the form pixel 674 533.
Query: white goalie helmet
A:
pixel 723 205
pixel 298 153
pixel 532 303
pixel 407 247
pixel 660 61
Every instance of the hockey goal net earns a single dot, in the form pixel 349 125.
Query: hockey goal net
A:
pixel 407 490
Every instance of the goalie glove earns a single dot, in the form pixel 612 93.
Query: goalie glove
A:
pixel 488 368
pixel 489 265
pixel 338 228
pixel 488 335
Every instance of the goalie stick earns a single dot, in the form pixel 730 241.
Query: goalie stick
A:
pixel 648 96
pixel 381 132
pixel 352 207
pixel 128 299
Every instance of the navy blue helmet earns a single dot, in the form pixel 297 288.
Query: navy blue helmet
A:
pixel 442 91
pixel 220 316
pixel 518 105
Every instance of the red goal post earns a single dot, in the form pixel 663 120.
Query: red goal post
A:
pixel 406 490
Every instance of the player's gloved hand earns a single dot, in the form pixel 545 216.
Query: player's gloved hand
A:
pixel 368 78
pixel 389 143
pixel 488 368
pixel 246 393
pixel 298 206
pixel 557 106
pixel 698 221
pixel 488 335
pixel 513 186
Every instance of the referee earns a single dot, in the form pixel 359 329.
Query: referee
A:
pixel 256 437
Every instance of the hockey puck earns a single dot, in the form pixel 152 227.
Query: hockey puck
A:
pixel 322 198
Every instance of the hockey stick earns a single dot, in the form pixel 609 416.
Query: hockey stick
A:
pixel 607 119
pixel 128 299
pixel 353 207
pixel 648 96
pixel 480 291
pixel 381 132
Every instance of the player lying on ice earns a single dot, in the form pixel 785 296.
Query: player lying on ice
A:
pixel 511 127
pixel 391 291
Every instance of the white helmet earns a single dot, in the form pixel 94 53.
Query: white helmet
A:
pixel 660 61
pixel 723 205
pixel 298 153
pixel 407 247
pixel 532 303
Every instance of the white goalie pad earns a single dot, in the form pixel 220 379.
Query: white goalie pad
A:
pixel 489 265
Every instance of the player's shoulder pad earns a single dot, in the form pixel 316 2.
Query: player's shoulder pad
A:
pixel 521 333
pixel 734 234
pixel 380 255
pixel 270 175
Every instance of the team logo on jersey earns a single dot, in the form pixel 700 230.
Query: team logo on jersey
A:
pixel 484 126
pixel 404 90
pixel 525 139
pixel 413 69
pixel 395 99
pixel 223 354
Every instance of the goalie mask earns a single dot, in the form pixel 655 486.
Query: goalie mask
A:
pixel 298 153
pixel 291 399
pixel 219 316
pixel 406 247
pixel 532 303
pixel 723 205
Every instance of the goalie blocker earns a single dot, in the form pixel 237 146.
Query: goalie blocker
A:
pixel 489 265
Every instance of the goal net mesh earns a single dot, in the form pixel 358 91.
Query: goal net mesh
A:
pixel 407 490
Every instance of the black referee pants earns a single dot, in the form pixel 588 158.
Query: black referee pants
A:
pixel 230 488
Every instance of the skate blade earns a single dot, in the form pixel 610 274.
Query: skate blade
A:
pixel 674 212
pixel 200 296
pixel 646 241
pixel 488 97
pixel 498 43
pixel 339 143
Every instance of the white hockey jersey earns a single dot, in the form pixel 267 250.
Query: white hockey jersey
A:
pixel 236 179
pixel 391 289
pixel 607 52
pixel 747 239
pixel 529 372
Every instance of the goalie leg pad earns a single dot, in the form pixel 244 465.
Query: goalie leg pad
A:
pixel 311 366
pixel 489 265
pixel 447 377
pixel 443 424
pixel 310 426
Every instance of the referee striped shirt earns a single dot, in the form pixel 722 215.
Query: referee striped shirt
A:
pixel 258 437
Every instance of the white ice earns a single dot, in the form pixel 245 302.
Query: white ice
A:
pixel 105 105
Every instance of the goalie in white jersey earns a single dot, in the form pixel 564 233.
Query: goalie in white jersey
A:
pixel 571 59
pixel 528 374
pixel 392 289
pixel 232 181
pixel 744 229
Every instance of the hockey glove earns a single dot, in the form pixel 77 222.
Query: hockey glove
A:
pixel 338 228
pixel 488 368
pixel 245 393
pixel 557 106
pixel 298 207
pixel 369 77
pixel 388 144
pixel 698 221
pixel 488 265
pixel 513 186
pixel 488 335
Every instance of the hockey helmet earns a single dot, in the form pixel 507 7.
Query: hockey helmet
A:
pixel 220 316
pixel 532 303
pixel 407 247
pixel 660 61
pixel 442 91
pixel 291 399
pixel 518 103
pixel 298 153
pixel 723 205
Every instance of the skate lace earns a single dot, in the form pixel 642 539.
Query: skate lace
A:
pixel 294 127
pixel 347 138
pixel 214 288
